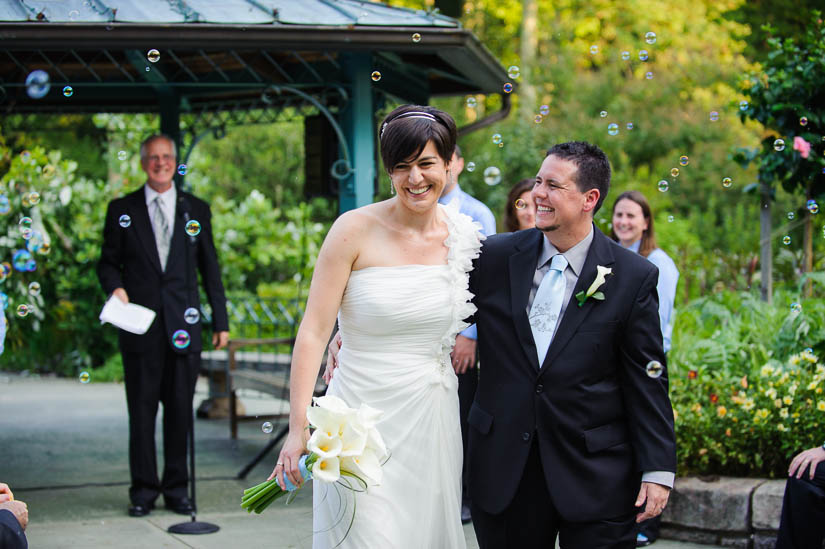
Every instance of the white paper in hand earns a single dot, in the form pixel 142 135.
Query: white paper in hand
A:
pixel 127 316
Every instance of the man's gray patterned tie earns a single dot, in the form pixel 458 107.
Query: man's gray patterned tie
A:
pixel 160 225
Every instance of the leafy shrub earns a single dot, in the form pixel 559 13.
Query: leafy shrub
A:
pixel 746 383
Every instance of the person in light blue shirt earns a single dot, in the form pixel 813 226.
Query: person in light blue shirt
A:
pixel 632 228
pixel 464 352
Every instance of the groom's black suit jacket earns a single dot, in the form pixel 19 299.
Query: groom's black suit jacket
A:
pixel 129 259
pixel 598 419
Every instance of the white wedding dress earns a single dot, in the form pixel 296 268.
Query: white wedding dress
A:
pixel 398 325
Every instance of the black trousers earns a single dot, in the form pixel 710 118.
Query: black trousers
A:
pixel 159 375
pixel 467 385
pixel 802 525
pixel 533 522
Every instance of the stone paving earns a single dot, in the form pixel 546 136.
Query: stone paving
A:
pixel 64 452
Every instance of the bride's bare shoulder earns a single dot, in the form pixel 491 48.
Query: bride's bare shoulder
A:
pixel 358 222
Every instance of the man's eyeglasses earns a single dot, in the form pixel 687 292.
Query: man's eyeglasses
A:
pixel 154 159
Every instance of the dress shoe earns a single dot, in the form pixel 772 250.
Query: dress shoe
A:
pixel 140 509
pixel 181 506
pixel 466 516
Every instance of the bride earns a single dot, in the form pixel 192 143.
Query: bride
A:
pixel 396 275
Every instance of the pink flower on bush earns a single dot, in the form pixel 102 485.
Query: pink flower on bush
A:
pixel 799 144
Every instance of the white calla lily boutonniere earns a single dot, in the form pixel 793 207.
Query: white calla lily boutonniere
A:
pixel 601 275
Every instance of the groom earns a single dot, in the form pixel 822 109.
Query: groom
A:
pixel 571 434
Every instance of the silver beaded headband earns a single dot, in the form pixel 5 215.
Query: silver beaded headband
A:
pixel 411 114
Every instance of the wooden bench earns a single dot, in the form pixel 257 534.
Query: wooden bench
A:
pixel 273 381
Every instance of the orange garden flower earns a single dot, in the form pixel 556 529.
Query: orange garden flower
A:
pixel 692 374
pixel 713 398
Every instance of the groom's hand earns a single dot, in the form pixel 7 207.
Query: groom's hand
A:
pixel 656 496
pixel 464 354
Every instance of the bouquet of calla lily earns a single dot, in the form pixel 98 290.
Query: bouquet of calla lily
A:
pixel 345 443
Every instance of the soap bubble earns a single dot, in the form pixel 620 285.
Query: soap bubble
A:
pixel 649 75
pixel 513 72
pixel 4 301
pixel 630 125
pixel 25 157
pixel 594 49
pixel 23 310
pixel 496 138
pixel 674 172
pixel 492 175
pixel 153 55
pixel 812 206
pixel 266 427
pixel 727 182
pixel 180 339
pixel 544 110
pixel 684 160
pixel 743 105
pixel 34 289
pixel 25 222
pixel 670 219
pixel 84 377
pixel 20 260
pixel 626 55
pixel 34 198
pixel 643 55
pixel 714 116
pixel 654 369
pixel 520 204
pixel 538 119
pixel 191 315
pixel 603 114
pixel 791 215
pixel 663 186
pixel 416 37
pixel 471 102
pixel 786 240
pixel 193 228
pixel 612 129
pixel 471 166
pixel 122 155
pixel 38 84
pixel 803 121
pixel 124 221
pixel 507 87
pixel 796 307
pixel 650 37
pixel 376 76
pixel 5 205
pixel 68 91
pixel 779 145
pixel 182 169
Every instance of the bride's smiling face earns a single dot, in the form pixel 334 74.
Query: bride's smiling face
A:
pixel 419 181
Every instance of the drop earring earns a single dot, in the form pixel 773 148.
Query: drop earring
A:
pixel 392 188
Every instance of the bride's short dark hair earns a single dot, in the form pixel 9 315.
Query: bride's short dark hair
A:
pixel 405 132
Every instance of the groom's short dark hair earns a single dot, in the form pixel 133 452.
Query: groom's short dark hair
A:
pixel 593 166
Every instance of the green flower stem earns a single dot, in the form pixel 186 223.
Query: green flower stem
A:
pixel 249 492
pixel 266 491
pixel 265 502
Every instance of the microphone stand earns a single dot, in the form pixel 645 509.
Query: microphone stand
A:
pixel 194 526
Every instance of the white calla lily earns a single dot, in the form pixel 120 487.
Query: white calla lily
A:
pixel 601 275
pixel 327 469
pixel 354 439
pixel 368 416
pixel 366 466
pixel 324 420
pixel 376 444
pixel 323 445
pixel 334 404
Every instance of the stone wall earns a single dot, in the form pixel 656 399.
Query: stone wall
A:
pixel 729 512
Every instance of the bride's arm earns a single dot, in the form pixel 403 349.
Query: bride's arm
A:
pixel 329 279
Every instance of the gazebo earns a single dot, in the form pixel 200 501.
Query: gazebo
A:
pixel 205 66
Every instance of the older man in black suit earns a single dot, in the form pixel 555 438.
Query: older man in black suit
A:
pixel 571 428
pixel 153 241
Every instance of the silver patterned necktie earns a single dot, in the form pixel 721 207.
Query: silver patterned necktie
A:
pixel 160 225
pixel 544 314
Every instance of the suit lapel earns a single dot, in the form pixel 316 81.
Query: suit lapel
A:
pixel 139 213
pixel 522 269
pixel 599 254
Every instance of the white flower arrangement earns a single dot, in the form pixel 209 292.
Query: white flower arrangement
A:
pixel 345 443
pixel 601 275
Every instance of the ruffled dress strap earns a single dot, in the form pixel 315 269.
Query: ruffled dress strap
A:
pixel 464 243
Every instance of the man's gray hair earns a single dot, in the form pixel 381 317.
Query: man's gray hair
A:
pixel 153 138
